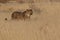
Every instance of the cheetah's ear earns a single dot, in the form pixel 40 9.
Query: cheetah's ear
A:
pixel 29 9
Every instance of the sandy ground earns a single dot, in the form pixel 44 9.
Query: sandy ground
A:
pixel 42 26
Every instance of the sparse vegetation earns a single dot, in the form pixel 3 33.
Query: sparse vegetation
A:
pixel 41 27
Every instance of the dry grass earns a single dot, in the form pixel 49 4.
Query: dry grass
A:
pixel 43 26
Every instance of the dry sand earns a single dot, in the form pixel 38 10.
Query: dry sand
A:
pixel 42 26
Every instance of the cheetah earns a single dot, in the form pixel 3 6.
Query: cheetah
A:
pixel 22 15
